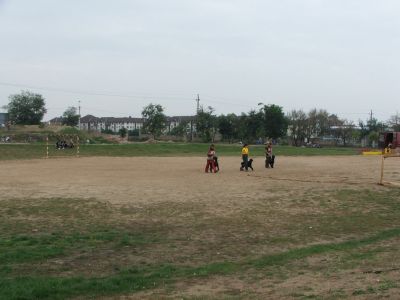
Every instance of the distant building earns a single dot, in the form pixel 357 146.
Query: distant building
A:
pixel 56 121
pixel 3 119
pixel 92 123
pixel 175 121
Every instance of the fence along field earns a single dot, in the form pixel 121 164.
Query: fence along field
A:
pixel 314 226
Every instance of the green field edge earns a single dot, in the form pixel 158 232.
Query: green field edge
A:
pixel 38 151
pixel 139 279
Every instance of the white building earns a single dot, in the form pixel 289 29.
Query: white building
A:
pixel 92 123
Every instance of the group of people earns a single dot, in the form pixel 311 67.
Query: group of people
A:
pixel 64 145
pixel 212 159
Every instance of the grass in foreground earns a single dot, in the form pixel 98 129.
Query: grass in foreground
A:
pixel 62 248
pixel 138 279
pixel 32 151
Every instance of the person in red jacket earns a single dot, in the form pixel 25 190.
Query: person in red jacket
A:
pixel 210 160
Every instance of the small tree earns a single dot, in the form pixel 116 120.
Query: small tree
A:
pixel 297 120
pixel 274 121
pixel 70 117
pixel 394 122
pixel 123 132
pixel 228 126
pixel 26 108
pixel 206 124
pixel 317 123
pixel 155 119
pixel 180 130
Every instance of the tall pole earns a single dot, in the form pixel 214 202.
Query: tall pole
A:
pixel 382 167
pixel 198 103
pixel 197 112
pixel 79 112
pixel 47 146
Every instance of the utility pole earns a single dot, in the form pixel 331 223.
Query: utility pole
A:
pixel 79 112
pixel 371 114
pixel 193 120
pixel 198 103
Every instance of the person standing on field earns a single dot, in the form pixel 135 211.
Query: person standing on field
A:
pixel 210 160
pixel 245 157
pixel 268 155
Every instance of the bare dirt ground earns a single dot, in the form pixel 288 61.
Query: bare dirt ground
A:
pixel 151 180
pixel 233 214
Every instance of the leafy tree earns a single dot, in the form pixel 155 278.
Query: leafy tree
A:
pixel 363 129
pixel 134 132
pixel 394 122
pixel 70 117
pixel 228 126
pixel 374 125
pixel 180 130
pixel 297 124
pixel 154 119
pixel 250 126
pixel 123 132
pixel 345 131
pixel 26 108
pixel 206 124
pixel 373 137
pixel 274 121
pixel 317 123
pixel 371 130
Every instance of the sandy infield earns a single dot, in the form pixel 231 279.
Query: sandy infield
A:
pixel 138 180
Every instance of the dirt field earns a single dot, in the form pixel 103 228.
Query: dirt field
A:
pixel 152 180
pixel 230 215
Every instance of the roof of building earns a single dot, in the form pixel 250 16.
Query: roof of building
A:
pixel 93 119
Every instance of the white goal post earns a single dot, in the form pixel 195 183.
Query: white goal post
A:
pixel 64 143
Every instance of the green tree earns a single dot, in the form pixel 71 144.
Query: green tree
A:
pixel 26 108
pixel 297 122
pixel 180 130
pixel 394 122
pixel 317 123
pixel 373 138
pixel 371 129
pixel 206 124
pixel 70 117
pixel 274 121
pixel 134 132
pixel 254 126
pixel 155 119
pixel 228 126
pixel 345 131
pixel 123 132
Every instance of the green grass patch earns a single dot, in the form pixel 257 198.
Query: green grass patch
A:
pixel 33 151
pixel 25 248
pixel 137 279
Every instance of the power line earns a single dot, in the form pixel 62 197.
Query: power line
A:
pixel 89 93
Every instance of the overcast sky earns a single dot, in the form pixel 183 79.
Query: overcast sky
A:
pixel 118 56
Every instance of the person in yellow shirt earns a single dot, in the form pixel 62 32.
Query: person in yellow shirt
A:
pixel 388 149
pixel 245 157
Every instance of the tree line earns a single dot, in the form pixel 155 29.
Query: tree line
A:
pixel 270 122
pixel 265 122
